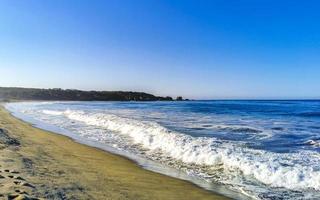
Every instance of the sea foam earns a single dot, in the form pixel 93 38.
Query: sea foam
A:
pixel 296 171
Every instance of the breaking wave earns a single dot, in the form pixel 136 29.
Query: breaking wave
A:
pixel 296 171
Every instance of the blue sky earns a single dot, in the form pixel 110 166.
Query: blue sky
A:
pixel 198 49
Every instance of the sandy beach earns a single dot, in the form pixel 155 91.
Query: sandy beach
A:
pixel 36 164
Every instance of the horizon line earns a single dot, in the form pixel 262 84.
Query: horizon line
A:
pixel 189 98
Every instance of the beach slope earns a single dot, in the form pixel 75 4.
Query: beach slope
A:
pixel 40 164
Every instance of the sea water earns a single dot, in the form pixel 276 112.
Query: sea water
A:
pixel 261 149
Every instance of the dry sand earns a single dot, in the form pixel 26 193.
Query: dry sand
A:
pixel 36 164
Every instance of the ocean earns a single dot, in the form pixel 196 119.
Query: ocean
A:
pixel 259 149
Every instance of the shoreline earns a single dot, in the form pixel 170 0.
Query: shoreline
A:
pixel 59 167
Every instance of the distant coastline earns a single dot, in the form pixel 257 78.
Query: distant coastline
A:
pixel 58 94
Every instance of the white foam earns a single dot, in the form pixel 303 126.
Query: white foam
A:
pixel 314 143
pixel 298 171
pixel 52 112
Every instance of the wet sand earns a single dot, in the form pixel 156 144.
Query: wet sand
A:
pixel 36 164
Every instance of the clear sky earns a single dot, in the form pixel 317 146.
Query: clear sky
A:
pixel 198 49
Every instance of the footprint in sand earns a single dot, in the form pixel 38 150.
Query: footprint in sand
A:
pixel 9 176
pixel 20 197
pixel 19 178
pixel 26 184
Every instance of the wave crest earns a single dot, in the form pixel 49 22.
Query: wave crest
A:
pixel 292 171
